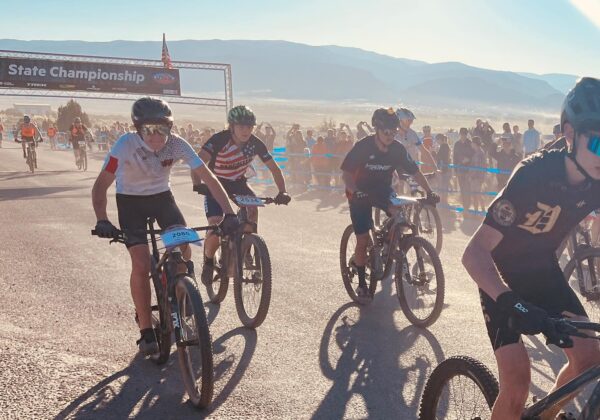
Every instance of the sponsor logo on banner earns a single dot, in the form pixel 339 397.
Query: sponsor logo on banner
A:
pixel 163 78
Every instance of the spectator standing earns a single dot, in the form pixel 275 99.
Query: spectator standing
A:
pixel 531 139
pixel 426 151
pixel 270 136
pixel 507 160
pixel 478 160
pixel 1 132
pixel 443 161
pixel 310 139
pixel 52 132
pixel 363 129
pixel 518 140
pixel 320 163
pixel 462 155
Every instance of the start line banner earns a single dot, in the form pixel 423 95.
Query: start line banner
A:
pixel 87 76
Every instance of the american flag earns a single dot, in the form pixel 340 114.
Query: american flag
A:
pixel 232 162
pixel 166 58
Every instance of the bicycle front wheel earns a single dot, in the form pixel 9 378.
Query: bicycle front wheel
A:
pixel 252 291
pixel 84 164
pixel 30 162
pixel 428 221
pixel 419 280
pixel 583 275
pixel 194 350
pixel 459 388
pixel 161 317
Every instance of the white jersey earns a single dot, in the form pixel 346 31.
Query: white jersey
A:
pixel 411 142
pixel 141 171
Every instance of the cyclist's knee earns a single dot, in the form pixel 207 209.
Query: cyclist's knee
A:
pixel 584 354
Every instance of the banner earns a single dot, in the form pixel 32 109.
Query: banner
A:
pixel 87 76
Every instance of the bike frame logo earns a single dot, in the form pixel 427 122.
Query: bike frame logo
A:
pixel 541 221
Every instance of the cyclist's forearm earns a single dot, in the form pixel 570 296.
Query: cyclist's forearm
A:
pixel 479 264
pixel 215 188
pixel 422 181
pixel 277 176
pixel 99 202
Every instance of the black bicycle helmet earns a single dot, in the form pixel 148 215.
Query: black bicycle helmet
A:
pixel 581 107
pixel 26 119
pixel 385 119
pixel 148 110
pixel 242 115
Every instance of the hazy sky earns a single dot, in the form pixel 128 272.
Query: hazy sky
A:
pixel 540 36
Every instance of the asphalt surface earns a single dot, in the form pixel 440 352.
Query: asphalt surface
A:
pixel 67 334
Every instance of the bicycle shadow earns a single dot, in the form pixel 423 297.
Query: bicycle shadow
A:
pixel 145 390
pixel 369 346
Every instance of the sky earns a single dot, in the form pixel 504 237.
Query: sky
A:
pixel 538 36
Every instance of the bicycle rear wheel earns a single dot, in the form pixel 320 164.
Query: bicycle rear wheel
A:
pixel 419 280
pixel 84 163
pixel 582 273
pixel 427 219
pixel 348 268
pixel 195 348
pixel 217 289
pixel 459 388
pixel 252 292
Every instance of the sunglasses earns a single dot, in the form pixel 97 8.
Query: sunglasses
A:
pixel 149 129
pixel 389 131
pixel 594 144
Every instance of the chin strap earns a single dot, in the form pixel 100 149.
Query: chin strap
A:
pixel 580 168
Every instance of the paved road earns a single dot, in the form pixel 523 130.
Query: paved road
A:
pixel 67 335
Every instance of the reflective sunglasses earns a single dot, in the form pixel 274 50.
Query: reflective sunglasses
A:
pixel 149 129
pixel 390 131
pixel 594 144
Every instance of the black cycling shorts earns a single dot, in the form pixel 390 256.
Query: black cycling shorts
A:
pixel 548 290
pixel 134 210
pixel 238 187
pixel 361 210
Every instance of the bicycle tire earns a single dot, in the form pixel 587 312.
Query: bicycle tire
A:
pixel 591 299
pixel 162 323
pixel 200 396
pixel 262 284
pixel 401 277
pixel 30 161
pixel 461 366
pixel 348 273
pixel 424 233
pixel 217 290
pixel 84 165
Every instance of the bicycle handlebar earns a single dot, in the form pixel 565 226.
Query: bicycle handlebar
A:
pixel 202 189
pixel 120 235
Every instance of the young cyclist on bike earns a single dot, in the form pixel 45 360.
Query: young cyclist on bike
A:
pixel 77 133
pixel 141 163
pixel 512 257
pixel 230 154
pixel 367 174
pixel 28 132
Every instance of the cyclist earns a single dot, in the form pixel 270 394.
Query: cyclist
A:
pixel 141 163
pixel 52 131
pixel 77 133
pixel 367 175
pixel 512 257
pixel 230 154
pixel 29 133
pixel 1 132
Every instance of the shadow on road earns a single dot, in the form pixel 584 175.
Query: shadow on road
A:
pixel 360 352
pixel 145 390
pixel 25 193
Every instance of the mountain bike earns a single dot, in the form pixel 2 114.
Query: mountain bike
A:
pixel 82 161
pixel 245 258
pixel 396 246
pixel 464 388
pixel 424 215
pixel 178 308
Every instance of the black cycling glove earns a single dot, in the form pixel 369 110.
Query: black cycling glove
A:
pixel 282 198
pixel 105 229
pixel 230 224
pixel 527 318
pixel 432 198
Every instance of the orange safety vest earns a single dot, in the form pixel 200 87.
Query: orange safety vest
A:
pixel 27 131
pixel 51 132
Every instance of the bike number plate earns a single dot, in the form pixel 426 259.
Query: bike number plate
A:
pixel 179 236
pixel 249 201
pixel 401 201
pixel 81 143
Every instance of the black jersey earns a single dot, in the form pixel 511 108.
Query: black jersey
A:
pixel 535 212
pixel 373 168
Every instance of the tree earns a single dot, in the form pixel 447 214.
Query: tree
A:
pixel 67 113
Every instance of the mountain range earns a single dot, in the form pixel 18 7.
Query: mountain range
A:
pixel 287 70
